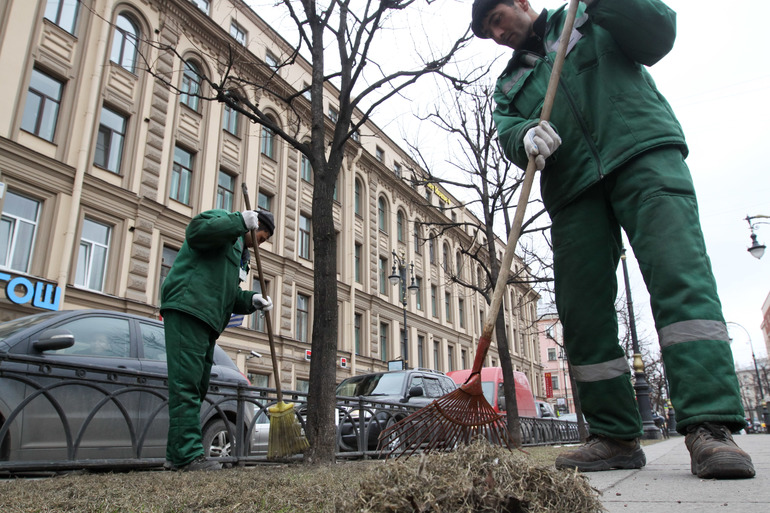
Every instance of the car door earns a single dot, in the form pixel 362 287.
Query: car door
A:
pixel 154 406
pixel 97 402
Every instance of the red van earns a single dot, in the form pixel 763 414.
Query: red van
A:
pixel 492 385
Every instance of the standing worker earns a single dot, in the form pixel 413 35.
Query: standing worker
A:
pixel 620 165
pixel 200 293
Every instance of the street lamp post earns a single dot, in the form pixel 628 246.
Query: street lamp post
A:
pixel 756 249
pixel 763 402
pixel 399 276
pixel 651 431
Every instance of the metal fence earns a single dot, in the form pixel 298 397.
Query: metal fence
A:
pixel 38 432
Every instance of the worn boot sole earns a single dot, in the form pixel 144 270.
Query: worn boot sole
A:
pixel 629 461
pixel 723 466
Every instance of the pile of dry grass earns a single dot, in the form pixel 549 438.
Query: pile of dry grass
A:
pixel 474 478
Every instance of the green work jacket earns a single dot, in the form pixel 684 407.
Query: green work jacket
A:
pixel 204 280
pixel 607 108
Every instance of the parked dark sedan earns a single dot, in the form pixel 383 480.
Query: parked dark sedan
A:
pixel 74 386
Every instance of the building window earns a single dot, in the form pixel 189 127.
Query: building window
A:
pixel 379 154
pixel 124 43
pixel 304 236
pixel 238 32
pixel 357 263
pixel 63 12
pixel 464 358
pixel 333 114
pixel 461 311
pixel 433 301
pixel 203 5
pixel 306 92
pixel 225 191
pixel 271 61
pixel 230 120
pixel 417 245
pixel 551 354
pixel 357 332
pixel 420 350
pixel 383 342
pixel 418 293
pixel 448 306
pixel 555 381
pixel 181 175
pixel 382 215
pixel 445 255
pixel 450 364
pixel 458 263
pixel 383 275
pixel 432 249
pixel 306 170
pixel 357 197
pixel 397 170
pixel 400 226
pixel 356 136
pixel 167 258
pixel 264 201
pixel 92 257
pixel 268 142
pixel 258 317
pixel 18 227
pixel 41 112
pixel 191 85
pixel 436 355
pixel 109 141
pixel 303 317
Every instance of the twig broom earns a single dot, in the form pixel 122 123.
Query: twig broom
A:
pixel 464 414
pixel 285 437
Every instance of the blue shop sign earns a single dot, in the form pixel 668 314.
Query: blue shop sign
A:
pixel 41 294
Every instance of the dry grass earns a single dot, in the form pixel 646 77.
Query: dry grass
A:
pixel 477 478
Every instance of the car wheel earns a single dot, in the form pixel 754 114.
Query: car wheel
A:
pixel 216 440
pixel 391 444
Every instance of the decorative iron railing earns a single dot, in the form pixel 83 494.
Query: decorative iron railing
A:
pixel 129 408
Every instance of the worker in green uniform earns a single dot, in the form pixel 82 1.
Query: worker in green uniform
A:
pixel 612 157
pixel 200 293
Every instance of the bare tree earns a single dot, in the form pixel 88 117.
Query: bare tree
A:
pixel 492 183
pixel 344 33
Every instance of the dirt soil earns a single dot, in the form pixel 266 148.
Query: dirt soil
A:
pixel 470 479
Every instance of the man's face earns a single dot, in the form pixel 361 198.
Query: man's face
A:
pixel 262 236
pixel 509 25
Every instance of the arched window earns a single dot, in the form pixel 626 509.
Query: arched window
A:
pixel 432 248
pixel 124 43
pixel 417 245
pixel 191 85
pixel 400 226
pixel 268 142
pixel 357 200
pixel 445 256
pixel 382 215
pixel 458 263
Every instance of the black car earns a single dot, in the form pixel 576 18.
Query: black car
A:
pixel 91 384
pixel 381 394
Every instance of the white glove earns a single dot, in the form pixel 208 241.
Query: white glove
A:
pixel 540 142
pixel 250 218
pixel 262 303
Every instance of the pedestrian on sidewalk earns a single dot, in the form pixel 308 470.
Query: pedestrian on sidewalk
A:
pixel 200 293
pixel 612 158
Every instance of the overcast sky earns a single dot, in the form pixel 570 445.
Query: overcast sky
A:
pixel 717 79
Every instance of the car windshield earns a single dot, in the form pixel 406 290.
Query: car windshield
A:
pixel 488 388
pixel 9 328
pixel 372 384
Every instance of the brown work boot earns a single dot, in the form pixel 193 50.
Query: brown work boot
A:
pixel 715 455
pixel 603 453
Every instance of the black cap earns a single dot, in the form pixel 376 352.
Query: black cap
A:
pixel 266 221
pixel 478 13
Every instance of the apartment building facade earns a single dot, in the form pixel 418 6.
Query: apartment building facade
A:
pixel 556 380
pixel 103 164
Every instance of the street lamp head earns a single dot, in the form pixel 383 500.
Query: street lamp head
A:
pixel 395 277
pixel 756 249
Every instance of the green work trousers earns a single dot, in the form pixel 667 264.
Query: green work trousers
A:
pixel 189 353
pixel 652 199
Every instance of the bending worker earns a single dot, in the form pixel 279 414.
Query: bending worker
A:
pixel 200 293
pixel 611 158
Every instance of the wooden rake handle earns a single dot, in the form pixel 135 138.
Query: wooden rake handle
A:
pixel 526 188
pixel 263 287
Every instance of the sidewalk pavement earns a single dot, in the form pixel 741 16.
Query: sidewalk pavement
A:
pixel 666 485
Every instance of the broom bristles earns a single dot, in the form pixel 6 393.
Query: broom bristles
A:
pixel 458 417
pixel 285 438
